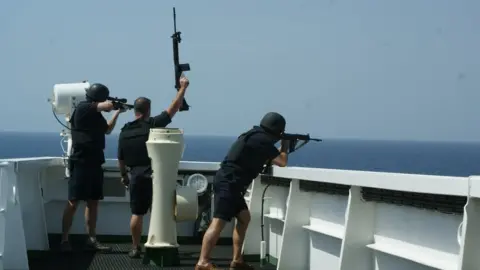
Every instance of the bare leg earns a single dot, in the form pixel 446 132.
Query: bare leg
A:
pixel 67 219
pixel 210 240
pixel 91 212
pixel 136 223
pixel 243 219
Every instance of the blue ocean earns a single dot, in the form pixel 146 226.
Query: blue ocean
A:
pixel 436 158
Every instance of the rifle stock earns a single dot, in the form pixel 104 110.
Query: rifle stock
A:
pixel 179 68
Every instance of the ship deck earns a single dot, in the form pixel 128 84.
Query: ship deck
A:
pixel 80 259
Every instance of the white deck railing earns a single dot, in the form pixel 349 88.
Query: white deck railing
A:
pixel 303 229
pixel 4 193
pixel 316 229
pixel 12 239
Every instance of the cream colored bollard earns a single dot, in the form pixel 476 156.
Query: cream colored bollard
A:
pixel 165 148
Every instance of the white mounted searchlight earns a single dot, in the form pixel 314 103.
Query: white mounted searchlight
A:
pixel 199 182
pixel 65 98
pixel 67 95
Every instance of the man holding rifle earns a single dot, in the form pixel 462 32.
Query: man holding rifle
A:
pixel 132 154
pixel 85 163
pixel 243 163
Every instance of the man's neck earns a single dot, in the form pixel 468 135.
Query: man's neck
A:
pixel 139 117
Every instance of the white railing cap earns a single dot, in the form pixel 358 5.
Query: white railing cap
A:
pixel 431 184
pixel 474 186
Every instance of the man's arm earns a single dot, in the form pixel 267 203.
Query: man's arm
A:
pixel 122 167
pixel 123 172
pixel 121 164
pixel 282 159
pixel 105 106
pixel 112 122
pixel 177 102
pixel 162 120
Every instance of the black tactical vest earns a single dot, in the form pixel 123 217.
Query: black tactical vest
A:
pixel 132 141
pixel 88 138
pixel 246 160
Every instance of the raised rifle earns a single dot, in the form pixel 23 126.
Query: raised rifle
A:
pixel 295 138
pixel 120 103
pixel 179 68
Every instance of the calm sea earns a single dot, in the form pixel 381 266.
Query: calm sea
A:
pixel 438 158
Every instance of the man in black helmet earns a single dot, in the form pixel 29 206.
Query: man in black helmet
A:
pixel 88 129
pixel 244 162
pixel 132 153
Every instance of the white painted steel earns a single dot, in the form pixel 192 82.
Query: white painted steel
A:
pixel 346 232
pixel 4 194
pixel 447 185
pixel 171 204
pixel 186 207
pixel 13 249
pixel 336 232
pixel 164 149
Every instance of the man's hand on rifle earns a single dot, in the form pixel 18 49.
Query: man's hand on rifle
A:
pixel 184 82
pixel 122 109
pixel 284 146
pixel 282 159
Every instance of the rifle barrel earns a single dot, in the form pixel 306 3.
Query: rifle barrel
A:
pixel 174 21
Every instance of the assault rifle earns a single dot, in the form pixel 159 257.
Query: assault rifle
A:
pixel 292 147
pixel 120 103
pixel 295 138
pixel 179 68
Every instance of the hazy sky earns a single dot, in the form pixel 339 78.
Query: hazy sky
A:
pixel 385 69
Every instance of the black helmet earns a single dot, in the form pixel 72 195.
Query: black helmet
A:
pixel 98 92
pixel 274 123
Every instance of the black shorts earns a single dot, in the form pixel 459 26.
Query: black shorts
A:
pixel 86 182
pixel 141 193
pixel 228 201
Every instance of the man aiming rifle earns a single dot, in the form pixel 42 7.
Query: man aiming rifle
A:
pixel 86 181
pixel 244 161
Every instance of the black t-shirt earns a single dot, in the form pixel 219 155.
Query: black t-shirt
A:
pixel 88 133
pixel 246 158
pixel 131 142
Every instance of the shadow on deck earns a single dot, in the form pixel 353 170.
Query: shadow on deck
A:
pixel 118 258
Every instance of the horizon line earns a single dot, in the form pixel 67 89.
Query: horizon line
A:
pixel 323 138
